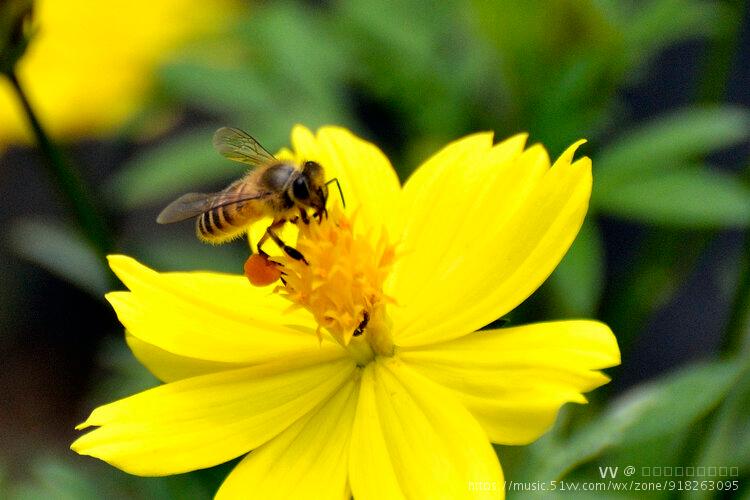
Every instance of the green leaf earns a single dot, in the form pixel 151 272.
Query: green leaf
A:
pixel 246 98
pixel 424 66
pixel 379 23
pixel 656 24
pixel 576 284
pixel 728 440
pixel 61 250
pixel 667 143
pixel 225 90
pixel 693 198
pixel 178 253
pixel 286 67
pixel 177 166
pixel 126 375
pixel 59 479
pixel 76 478
pixel 666 406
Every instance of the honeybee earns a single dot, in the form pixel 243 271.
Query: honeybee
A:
pixel 282 190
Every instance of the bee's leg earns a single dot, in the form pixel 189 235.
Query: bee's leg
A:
pixel 275 224
pixel 303 216
pixel 289 250
pixel 260 251
pixel 320 215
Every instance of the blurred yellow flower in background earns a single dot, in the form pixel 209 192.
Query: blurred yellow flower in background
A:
pixel 365 374
pixel 91 64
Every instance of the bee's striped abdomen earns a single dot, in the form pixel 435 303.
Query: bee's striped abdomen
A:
pixel 224 223
pixel 233 209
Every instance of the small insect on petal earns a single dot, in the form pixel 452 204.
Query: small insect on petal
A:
pixel 261 271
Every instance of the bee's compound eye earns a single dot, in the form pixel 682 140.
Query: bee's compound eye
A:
pixel 299 189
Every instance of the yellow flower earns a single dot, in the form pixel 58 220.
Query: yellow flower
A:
pixel 397 396
pixel 91 64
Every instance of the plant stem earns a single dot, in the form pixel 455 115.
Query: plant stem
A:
pixel 86 211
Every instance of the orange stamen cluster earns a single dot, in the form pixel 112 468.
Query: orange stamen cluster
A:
pixel 342 284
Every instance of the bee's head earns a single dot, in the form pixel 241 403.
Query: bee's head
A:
pixel 309 189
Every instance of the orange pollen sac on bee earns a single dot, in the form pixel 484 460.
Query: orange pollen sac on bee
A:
pixel 261 271
pixel 341 282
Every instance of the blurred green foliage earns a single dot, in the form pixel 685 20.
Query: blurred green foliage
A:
pixel 654 414
pixel 62 251
pixel 556 69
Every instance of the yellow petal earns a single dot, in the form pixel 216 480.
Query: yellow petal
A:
pixel 514 380
pixel 206 420
pixel 502 222
pixel 428 204
pixel 308 460
pixel 437 229
pixel 413 439
pixel 368 181
pixel 169 367
pixel 213 317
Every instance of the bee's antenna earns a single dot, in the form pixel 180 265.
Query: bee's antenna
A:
pixel 338 185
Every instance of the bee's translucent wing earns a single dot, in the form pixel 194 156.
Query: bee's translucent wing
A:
pixel 239 146
pixel 194 204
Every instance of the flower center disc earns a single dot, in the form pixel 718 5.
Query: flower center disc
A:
pixel 342 283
